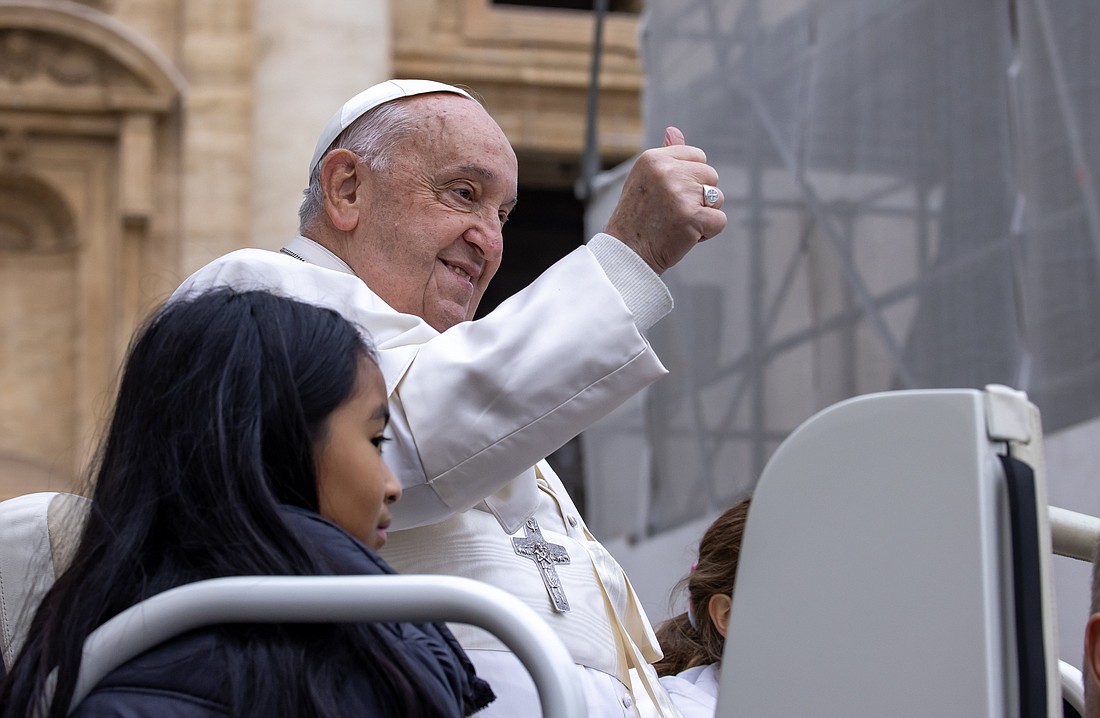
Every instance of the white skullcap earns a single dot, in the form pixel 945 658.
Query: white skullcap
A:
pixel 367 100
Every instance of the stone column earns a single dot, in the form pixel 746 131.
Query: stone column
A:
pixel 310 57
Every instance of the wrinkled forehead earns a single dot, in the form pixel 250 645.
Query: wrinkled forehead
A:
pixel 452 128
pixel 455 114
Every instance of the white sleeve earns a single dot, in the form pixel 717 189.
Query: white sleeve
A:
pixel 643 292
pixel 482 402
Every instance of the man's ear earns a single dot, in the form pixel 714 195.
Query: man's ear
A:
pixel 719 608
pixel 1092 653
pixel 340 187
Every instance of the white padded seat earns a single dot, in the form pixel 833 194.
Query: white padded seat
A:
pixel 877 568
pixel 38 533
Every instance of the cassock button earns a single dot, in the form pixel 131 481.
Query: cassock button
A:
pixel 627 701
pixel 573 521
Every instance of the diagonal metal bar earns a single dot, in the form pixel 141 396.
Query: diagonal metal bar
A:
pixel 851 276
pixel 741 363
pixel 1081 170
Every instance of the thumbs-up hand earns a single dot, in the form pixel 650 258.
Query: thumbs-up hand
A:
pixel 664 210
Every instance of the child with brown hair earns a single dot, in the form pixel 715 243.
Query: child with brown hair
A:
pixel 693 641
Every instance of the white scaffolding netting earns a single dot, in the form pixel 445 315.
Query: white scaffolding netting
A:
pixel 911 188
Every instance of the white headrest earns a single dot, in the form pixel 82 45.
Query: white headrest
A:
pixel 37 534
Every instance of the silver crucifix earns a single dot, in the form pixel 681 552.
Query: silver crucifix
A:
pixel 545 555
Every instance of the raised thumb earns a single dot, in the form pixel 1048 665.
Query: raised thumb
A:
pixel 673 136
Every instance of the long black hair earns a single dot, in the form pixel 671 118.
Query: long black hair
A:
pixel 220 402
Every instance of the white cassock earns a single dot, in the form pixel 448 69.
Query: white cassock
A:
pixel 473 409
pixel 695 691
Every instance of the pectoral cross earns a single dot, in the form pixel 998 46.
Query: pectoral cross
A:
pixel 545 555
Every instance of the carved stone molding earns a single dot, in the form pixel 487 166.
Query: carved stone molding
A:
pixel 69 56
pixel 531 68
pixel 31 58
pixel 33 219
pixel 13 147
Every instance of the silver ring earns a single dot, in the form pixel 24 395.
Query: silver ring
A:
pixel 710 195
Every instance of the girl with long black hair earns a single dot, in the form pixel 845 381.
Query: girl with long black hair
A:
pixel 246 440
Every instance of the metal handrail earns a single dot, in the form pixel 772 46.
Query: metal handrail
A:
pixel 1073 534
pixel 339 599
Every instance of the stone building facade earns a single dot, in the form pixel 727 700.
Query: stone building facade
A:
pixel 141 138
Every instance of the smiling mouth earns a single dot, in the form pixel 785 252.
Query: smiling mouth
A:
pixel 460 272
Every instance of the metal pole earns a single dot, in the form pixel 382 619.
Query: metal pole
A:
pixel 590 162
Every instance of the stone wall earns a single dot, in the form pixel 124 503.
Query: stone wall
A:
pixel 89 217
pixel 531 68
pixel 141 138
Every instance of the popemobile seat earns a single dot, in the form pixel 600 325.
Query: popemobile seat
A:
pixel 39 531
pixel 896 562
pixel 37 535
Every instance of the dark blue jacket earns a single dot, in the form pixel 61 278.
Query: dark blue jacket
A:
pixel 187 677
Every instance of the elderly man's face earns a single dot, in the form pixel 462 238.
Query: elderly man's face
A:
pixel 429 238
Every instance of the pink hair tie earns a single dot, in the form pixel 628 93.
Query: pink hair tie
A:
pixel 694 566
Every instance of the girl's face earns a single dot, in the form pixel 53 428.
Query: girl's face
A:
pixel 354 486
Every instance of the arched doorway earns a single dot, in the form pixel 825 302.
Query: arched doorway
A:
pixel 89 151
pixel 38 280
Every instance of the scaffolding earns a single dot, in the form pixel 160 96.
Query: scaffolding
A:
pixel 910 191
